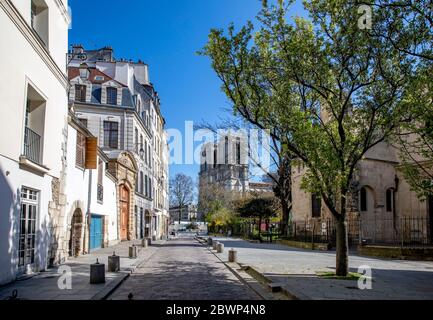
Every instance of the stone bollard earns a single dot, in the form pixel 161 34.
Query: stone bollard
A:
pixel 114 263
pixel 144 243
pixel 97 273
pixel 153 238
pixel 215 244
pixel 220 248
pixel 209 242
pixel 133 252
pixel 233 256
pixel 149 241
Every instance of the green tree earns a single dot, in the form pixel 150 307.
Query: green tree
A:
pixel 327 90
pixel 261 208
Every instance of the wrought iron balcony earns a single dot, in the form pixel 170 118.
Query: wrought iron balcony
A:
pixel 100 193
pixel 32 146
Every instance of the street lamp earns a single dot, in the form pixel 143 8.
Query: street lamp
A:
pixel 141 151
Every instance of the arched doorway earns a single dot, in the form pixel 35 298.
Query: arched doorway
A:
pixel 147 224
pixel 76 232
pixel 124 212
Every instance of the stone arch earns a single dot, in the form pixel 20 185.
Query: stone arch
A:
pixel 147 224
pixel 76 233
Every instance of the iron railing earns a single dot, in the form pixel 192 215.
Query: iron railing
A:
pixel 403 231
pixel 32 146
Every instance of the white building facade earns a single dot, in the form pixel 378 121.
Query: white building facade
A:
pixel 33 118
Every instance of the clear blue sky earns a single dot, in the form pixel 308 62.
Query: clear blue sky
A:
pixel 166 34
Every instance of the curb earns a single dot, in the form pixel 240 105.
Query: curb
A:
pixel 260 277
pixel 113 285
pixel 116 283
pixel 262 295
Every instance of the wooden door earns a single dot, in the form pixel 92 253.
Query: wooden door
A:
pixel 124 213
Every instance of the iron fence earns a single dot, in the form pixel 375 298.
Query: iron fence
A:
pixel 32 145
pixel 404 231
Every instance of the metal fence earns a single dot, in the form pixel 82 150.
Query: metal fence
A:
pixel 405 231
pixel 32 145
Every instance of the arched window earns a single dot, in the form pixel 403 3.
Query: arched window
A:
pixel 389 200
pixel 363 200
pixel 316 206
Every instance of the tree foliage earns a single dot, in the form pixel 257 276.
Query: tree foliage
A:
pixel 326 89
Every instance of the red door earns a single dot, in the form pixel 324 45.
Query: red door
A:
pixel 124 213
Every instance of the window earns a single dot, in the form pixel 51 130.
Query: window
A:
pixel 111 135
pixel 363 200
pixel 80 93
pixel 80 160
pixel 146 186
pixel 141 144
pixel 40 20
pixel 99 78
pixel 141 182
pixel 238 151
pixel 136 141
pixel 112 96
pixel 28 219
pixel 316 205
pixel 389 200
pixel 34 126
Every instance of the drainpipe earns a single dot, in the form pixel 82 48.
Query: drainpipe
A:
pixel 88 217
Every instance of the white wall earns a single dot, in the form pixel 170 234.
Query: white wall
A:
pixel 20 64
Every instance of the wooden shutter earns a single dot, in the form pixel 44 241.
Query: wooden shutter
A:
pixel 91 153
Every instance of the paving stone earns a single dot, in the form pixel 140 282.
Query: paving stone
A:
pixel 183 270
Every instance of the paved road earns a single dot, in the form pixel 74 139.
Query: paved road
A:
pixel 182 269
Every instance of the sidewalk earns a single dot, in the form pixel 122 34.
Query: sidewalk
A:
pixel 294 270
pixel 43 286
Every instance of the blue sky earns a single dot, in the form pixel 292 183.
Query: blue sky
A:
pixel 166 34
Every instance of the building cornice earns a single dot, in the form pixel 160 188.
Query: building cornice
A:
pixel 32 38
pixel 63 11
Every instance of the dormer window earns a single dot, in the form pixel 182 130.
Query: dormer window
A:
pixel 112 96
pixel 80 93
pixel 99 78
pixel 39 20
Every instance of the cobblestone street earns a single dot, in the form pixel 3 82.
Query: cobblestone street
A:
pixel 182 269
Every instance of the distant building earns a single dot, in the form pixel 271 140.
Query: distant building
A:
pixel 184 214
pixel 225 163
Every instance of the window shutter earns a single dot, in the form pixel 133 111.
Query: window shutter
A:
pixel 91 153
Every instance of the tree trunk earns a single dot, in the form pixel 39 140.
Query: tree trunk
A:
pixel 342 265
pixel 285 217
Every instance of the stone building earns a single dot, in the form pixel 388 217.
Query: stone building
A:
pixel 183 214
pixel 225 163
pixel 382 204
pixel 118 104
pixel 33 120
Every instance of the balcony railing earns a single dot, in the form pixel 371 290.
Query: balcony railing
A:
pixel 32 146
pixel 100 193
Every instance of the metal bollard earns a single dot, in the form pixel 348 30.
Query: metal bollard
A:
pixel 144 243
pixel 220 247
pixel 215 244
pixel 149 241
pixel 133 252
pixel 97 273
pixel 209 241
pixel 233 256
pixel 114 263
